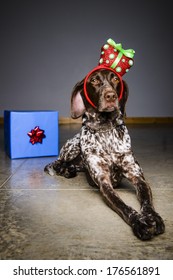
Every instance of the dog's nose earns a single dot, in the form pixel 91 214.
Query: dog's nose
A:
pixel 110 96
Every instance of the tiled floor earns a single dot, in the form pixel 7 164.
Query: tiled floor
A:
pixel 43 217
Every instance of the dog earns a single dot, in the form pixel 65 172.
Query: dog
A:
pixel 103 150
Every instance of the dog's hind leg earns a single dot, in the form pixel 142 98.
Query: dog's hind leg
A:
pixel 69 161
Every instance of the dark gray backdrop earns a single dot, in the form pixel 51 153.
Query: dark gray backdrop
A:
pixel 47 46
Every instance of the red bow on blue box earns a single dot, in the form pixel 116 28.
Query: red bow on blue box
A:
pixel 36 135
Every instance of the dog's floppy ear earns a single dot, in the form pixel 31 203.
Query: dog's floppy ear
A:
pixel 124 98
pixel 77 104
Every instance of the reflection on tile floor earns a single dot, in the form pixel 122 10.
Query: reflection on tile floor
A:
pixel 43 217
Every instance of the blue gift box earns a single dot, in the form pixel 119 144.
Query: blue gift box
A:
pixel 31 133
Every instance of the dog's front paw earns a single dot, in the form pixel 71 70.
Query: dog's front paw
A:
pixel 144 228
pixel 149 212
pixel 160 226
pixel 146 225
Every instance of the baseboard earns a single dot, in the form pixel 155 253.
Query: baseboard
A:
pixel 63 120
pixel 149 120
pixel 1 120
pixel 129 120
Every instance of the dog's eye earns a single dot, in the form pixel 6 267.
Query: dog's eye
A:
pixel 94 81
pixel 115 79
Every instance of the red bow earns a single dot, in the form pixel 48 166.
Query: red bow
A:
pixel 36 135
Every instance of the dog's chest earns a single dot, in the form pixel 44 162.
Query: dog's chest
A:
pixel 115 140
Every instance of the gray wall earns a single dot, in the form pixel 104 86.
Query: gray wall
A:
pixel 47 46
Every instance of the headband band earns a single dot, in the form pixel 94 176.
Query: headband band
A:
pixel 95 69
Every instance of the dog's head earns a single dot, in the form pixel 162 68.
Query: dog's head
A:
pixel 100 92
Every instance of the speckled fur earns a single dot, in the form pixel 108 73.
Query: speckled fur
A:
pixel 103 149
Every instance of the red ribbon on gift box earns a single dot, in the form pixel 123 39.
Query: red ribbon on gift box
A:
pixel 36 135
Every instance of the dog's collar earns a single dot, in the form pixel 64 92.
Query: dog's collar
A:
pixel 95 69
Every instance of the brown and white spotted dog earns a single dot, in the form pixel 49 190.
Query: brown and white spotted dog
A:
pixel 103 149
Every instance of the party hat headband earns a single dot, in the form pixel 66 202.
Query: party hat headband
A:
pixel 114 58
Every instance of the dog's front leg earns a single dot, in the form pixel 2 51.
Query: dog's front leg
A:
pixel 133 172
pixel 144 225
pixel 69 160
pixel 147 208
pixel 100 174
